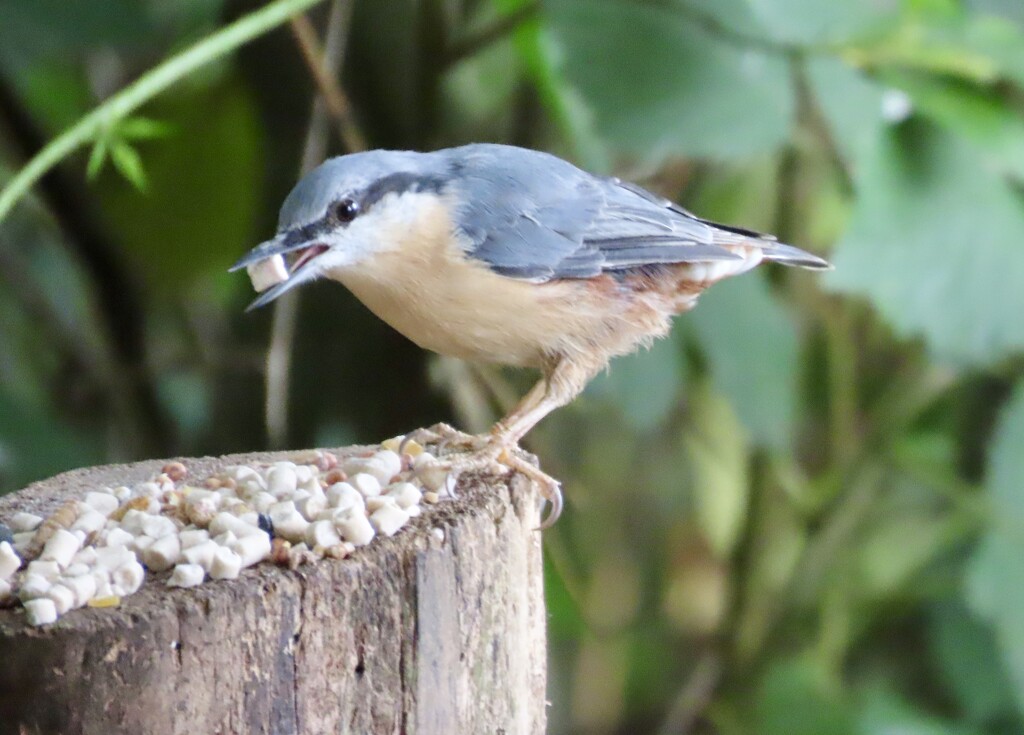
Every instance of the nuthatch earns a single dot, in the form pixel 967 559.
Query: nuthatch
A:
pixel 500 254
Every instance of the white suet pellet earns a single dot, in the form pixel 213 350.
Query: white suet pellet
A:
pixel 367 485
pixel 141 543
pixel 33 586
pixel 281 479
pixel 262 501
pixel 225 539
pixel 372 504
pixel 311 506
pixel 252 549
pixel 163 553
pixel 44 568
pixel 159 526
pixel 61 547
pixel 104 503
pixel 405 494
pixel 22 540
pixel 388 519
pixel 391 461
pixel 322 534
pixel 132 521
pixel 343 495
pixel 267 272
pixel 83 586
pixel 288 522
pixel 201 554
pixel 226 564
pixel 103 588
pixel 148 489
pixel 186 575
pixel 91 520
pixel 437 533
pixel 251 518
pixel 431 473
pixel 127 578
pixel 112 557
pixel 63 598
pixel 193 536
pixel 304 473
pixel 10 562
pixel 380 466
pixel 117 537
pixel 248 479
pixel 122 493
pixel 76 568
pixel 40 611
pixel 224 522
pixel 85 555
pixel 354 526
pixel 23 522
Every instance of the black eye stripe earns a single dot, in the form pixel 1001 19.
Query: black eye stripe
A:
pixel 397 184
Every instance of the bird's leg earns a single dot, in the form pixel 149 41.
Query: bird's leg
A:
pixel 561 383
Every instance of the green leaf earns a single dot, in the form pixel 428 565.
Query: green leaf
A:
pixel 717 462
pixel 973 47
pixel 995 583
pixel 797 698
pixel 885 713
pixel 680 91
pixel 645 385
pixel 127 160
pixel 935 244
pixel 977 114
pixel 97 157
pixel 968 661
pixel 751 346
pixel 143 128
pixel 851 102
pixel 815 22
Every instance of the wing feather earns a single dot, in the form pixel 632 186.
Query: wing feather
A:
pixel 533 216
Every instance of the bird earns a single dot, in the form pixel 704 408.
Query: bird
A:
pixel 499 254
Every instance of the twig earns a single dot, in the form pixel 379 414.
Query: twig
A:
pixel 694 696
pixel 286 309
pixel 466 47
pixel 145 88
pixel 327 82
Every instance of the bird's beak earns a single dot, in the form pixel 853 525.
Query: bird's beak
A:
pixel 290 241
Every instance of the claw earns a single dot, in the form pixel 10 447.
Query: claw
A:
pixel 458 452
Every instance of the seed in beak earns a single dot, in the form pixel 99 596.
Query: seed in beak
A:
pixel 267 272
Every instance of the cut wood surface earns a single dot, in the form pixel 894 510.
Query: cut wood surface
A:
pixel 411 634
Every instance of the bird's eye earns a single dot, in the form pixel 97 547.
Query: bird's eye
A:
pixel 346 210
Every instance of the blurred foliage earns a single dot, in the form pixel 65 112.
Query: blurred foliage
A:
pixel 801 513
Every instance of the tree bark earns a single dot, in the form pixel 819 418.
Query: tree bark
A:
pixel 412 634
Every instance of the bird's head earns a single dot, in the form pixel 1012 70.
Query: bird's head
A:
pixel 344 212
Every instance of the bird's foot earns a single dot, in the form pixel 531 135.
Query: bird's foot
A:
pixel 463 452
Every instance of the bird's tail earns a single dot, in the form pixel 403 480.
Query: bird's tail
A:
pixel 778 252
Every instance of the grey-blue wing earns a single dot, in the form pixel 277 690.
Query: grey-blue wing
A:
pixel 531 215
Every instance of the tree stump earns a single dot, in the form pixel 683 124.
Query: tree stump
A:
pixel 410 634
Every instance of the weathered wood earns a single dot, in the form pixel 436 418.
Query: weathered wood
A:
pixel 408 635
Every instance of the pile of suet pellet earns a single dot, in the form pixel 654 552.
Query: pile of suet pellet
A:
pixel 96 549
